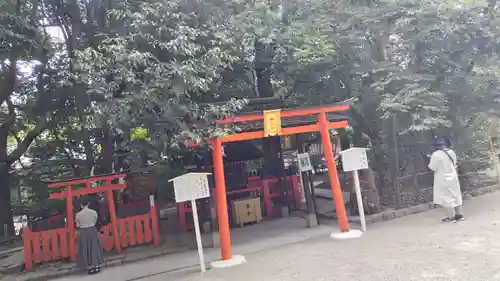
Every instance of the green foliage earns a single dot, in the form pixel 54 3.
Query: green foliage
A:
pixel 139 134
pixel 156 74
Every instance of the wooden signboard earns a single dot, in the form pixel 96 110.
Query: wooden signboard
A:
pixel 272 123
pixel 247 210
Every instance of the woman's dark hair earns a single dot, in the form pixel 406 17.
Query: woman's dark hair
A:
pixel 84 200
pixel 448 141
pixel 439 141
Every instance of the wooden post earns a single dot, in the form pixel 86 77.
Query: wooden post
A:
pixel 114 220
pixel 221 201
pixel 199 243
pixel 181 210
pixel 332 173
pixel 359 200
pixel 70 223
pixel 215 227
pixel 307 188
pixel 395 161
pixel 154 222
pixel 267 198
pixel 28 262
pixel 296 190
pixel 283 182
pixel 309 178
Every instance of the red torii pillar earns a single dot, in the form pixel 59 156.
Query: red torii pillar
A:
pixel 70 222
pixel 221 201
pixel 332 173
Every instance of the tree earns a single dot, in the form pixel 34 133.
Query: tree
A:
pixel 421 63
pixel 121 73
pixel 31 98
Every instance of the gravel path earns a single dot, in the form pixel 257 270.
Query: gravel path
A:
pixel 417 247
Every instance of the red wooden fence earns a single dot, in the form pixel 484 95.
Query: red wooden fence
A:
pixel 133 231
pixel 45 245
pixel 267 189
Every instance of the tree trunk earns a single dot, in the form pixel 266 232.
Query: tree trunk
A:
pixel 107 151
pixel 5 202
pixel 264 54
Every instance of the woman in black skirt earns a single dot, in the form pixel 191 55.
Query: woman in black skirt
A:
pixel 90 255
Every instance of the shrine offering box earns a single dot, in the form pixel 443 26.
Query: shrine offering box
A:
pixel 247 210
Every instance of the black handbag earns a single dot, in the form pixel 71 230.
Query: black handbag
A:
pixel 98 225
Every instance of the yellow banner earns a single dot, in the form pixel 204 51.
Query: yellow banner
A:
pixel 272 122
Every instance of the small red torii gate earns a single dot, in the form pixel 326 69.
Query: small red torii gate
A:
pixel 56 244
pixel 107 188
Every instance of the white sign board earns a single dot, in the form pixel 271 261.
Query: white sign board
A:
pixel 354 159
pixel 191 186
pixel 151 200
pixel 304 162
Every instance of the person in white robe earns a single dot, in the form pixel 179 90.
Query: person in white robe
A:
pixel 446 187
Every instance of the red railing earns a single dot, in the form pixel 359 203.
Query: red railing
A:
pixel 50 222
pixel 266 189
pixel 271 191
pixel 45 246
pixel 136 230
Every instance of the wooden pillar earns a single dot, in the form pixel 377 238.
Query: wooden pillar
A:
pixel 267 198
pixel 28 249
pixel 181 211
pixel 307 186
pixel 114 220
pixel 296 190
pixel 155 227
pixel 332 173
pixel 282 181
pixel 221 201
pixel 70 223
pixel 395 161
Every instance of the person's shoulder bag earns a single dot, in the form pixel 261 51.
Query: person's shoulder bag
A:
pixel 451 176
pixel 449 156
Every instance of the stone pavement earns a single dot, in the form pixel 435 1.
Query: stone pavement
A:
pixel 139 263
pixel 416 247
pixel 52 271
pixel 261 237
pixel 246 241
pixel 9 259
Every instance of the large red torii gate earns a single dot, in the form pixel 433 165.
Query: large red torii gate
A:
pixel 322 125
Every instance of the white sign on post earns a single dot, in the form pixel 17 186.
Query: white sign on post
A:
pixel 354 159
pixel 304 166
pixel 304 162
pixel 190 187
